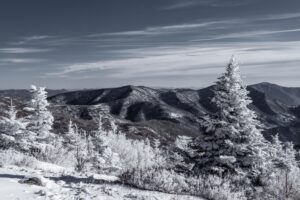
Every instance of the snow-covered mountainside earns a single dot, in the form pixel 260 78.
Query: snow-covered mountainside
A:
pixel 165 113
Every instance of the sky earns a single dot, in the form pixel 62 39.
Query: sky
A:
pixel 75 44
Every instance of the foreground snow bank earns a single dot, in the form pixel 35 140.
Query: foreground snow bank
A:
pixel 57 188
pixel 10 189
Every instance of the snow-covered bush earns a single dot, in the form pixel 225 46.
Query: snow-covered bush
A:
pixel 156 179
pixel 217 188
pixel 134 154
pixel 282 185
pixel 209 187
pixel 13 157
pixel 115 153
pixel 56 154
pixel 77 145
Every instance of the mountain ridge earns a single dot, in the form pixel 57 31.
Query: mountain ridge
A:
pixel 161 112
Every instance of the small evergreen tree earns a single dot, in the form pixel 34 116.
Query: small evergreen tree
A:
pixel 71 135
pixel 104 159
pixel 81 152
pixel 283 154
pixel 13 129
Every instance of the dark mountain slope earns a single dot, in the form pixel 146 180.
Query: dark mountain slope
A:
pixel 286 95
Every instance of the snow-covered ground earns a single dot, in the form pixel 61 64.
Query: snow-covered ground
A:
pixel 60 185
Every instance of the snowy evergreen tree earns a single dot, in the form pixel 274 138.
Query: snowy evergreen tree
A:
pixel 43 141
pixel 232 142
pixel 81 153
pixel 42 118
pixel 181 153
pixel 284 182
pixel 12 129
pixel 104 159
pixel 283 154
pixel 71 135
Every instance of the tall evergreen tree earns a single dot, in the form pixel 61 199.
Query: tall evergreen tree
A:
pixel 42 118
pixel 232 142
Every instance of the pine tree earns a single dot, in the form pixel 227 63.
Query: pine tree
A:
pixel 284 182
pixel 13 129
pixel 42 118
pixel 232 142
pixel 81 151
pixel 71 135
pixel 181 153
pixel 104 159
pixel 283 154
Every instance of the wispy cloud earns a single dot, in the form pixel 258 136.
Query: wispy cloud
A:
pixel 187 3
pixel 21 60
pixel 199 26
pixel 21 50
pixel 29 39
pixel 186 61
pixel 247 34
pixel 282 16
pixel 158 30
pixel 215 3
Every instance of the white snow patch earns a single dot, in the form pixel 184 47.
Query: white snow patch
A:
pixel 175 115
pixel 105 177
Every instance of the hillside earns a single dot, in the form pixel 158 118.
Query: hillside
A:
pixel 165 113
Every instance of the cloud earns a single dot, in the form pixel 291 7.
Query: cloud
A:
pixel 20 50
pixel 158 30
pixel 33 38
pixel 210 25
pixel 282 16
pixel 215 3
pixel 247 34
pixel 193 60
pixel 21 60
pixel 187 3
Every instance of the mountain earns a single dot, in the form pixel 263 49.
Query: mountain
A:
pixel 164 113
pixel 287 95
pixel 25 94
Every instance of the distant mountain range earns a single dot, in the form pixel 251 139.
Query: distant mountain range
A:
pixel 147 112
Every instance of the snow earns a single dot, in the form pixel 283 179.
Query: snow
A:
pixel 105 177
pixel 10 189
pixel 52 168
pixel 28 109
pixel 175 115
pixel 57 187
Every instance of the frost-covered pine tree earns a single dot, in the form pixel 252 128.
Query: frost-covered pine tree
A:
pixel 77 143
pixel 12 129
pixel 42 118
pixel 181 153
pixel 104 158
pixel 81 152
pixel 232 142
pixel 285 180
pixel 71 135
pixel 283 154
